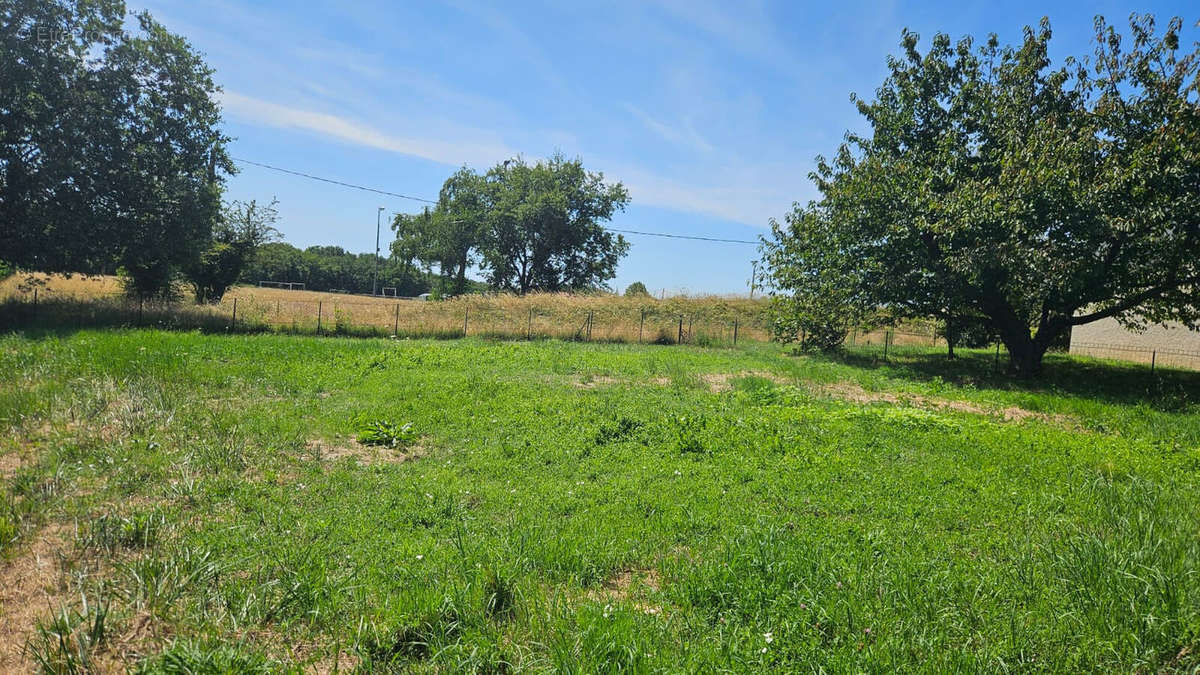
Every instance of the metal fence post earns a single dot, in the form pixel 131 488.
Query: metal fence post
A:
pixel 1153 358
pixel 529 325
pixel 233 319
pixel 396 323
pixel 35 300
pixel 641 325
pixel 887 338
pixel 591 316
pixel 735 328
pixel 319 303
pixel 466 316
pixel 679 340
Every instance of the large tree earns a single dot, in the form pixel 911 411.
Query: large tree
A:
pixel 110 148
pixel 1036 198
pixel 529 227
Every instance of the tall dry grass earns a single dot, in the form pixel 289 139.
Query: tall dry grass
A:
pixel 695 319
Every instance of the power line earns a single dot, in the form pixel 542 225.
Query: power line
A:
pixel 431 201
pixel 335 182
pixel 683 236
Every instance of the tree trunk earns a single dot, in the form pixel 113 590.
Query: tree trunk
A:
pixel 1025 358
pixel 460 281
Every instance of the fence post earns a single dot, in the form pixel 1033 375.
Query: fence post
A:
pixel 735 327
pixel 679 340
pixel 396 323
pixel 641 325
pixel 1153 358
pixel 529 325
pixel 466 316
pixel 887 338
pixel 589 325
pixel 319 303
pixel 233 319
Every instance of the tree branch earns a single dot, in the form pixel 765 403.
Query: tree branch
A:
pixel 1132 301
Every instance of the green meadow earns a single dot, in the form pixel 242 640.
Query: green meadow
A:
pixel 288 504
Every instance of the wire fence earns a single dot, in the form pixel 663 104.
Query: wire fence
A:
pixel 402 318
pixel 881 343
pixel 1153 356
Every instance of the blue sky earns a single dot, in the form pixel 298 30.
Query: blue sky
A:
pixel 710 112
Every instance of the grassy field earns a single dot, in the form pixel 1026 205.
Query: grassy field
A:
pixel 96 300
pixel 178 502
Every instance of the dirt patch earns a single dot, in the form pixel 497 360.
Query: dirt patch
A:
pixel 593 381
pixel 721 382
pixel 849 391
pixel 620 587
pixel 11 463
pixel 30 583
pixel 329 452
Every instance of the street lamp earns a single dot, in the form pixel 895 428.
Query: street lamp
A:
pixel 375 273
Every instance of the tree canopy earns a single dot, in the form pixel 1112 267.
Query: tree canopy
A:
pixel 994 187
pixel 110 148
pixel 526 226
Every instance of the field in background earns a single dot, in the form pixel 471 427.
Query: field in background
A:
pixel 181 502
pixel 611 318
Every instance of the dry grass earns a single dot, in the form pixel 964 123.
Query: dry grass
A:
pixel 601 317
pixel 30 584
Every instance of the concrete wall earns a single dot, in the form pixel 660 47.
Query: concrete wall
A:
pixel 1175 345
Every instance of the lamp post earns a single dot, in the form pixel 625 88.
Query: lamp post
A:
pixel 375 273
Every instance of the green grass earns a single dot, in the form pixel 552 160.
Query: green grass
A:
pixel 586 507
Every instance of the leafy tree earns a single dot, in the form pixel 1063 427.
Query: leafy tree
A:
pixel 994 187
pixel 110 148
pixel 244 227
pixel 527 227
pixel 544 226
pixel 636 290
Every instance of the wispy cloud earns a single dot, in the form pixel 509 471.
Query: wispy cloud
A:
pixel 747 200
pixel 684 135
pixel 480 151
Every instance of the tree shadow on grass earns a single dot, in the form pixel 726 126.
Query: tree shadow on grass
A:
pixel 1166 389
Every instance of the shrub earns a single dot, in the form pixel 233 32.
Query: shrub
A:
pixel 390 434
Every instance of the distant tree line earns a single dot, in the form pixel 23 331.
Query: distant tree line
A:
pixel 332 268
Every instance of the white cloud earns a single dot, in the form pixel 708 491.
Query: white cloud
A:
pixel 749 199
pixel 478 151
pixel 685 136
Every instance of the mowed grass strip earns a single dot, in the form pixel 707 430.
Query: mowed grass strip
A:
pixel 267 503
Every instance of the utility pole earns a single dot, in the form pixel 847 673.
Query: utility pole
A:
pixel 375 273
